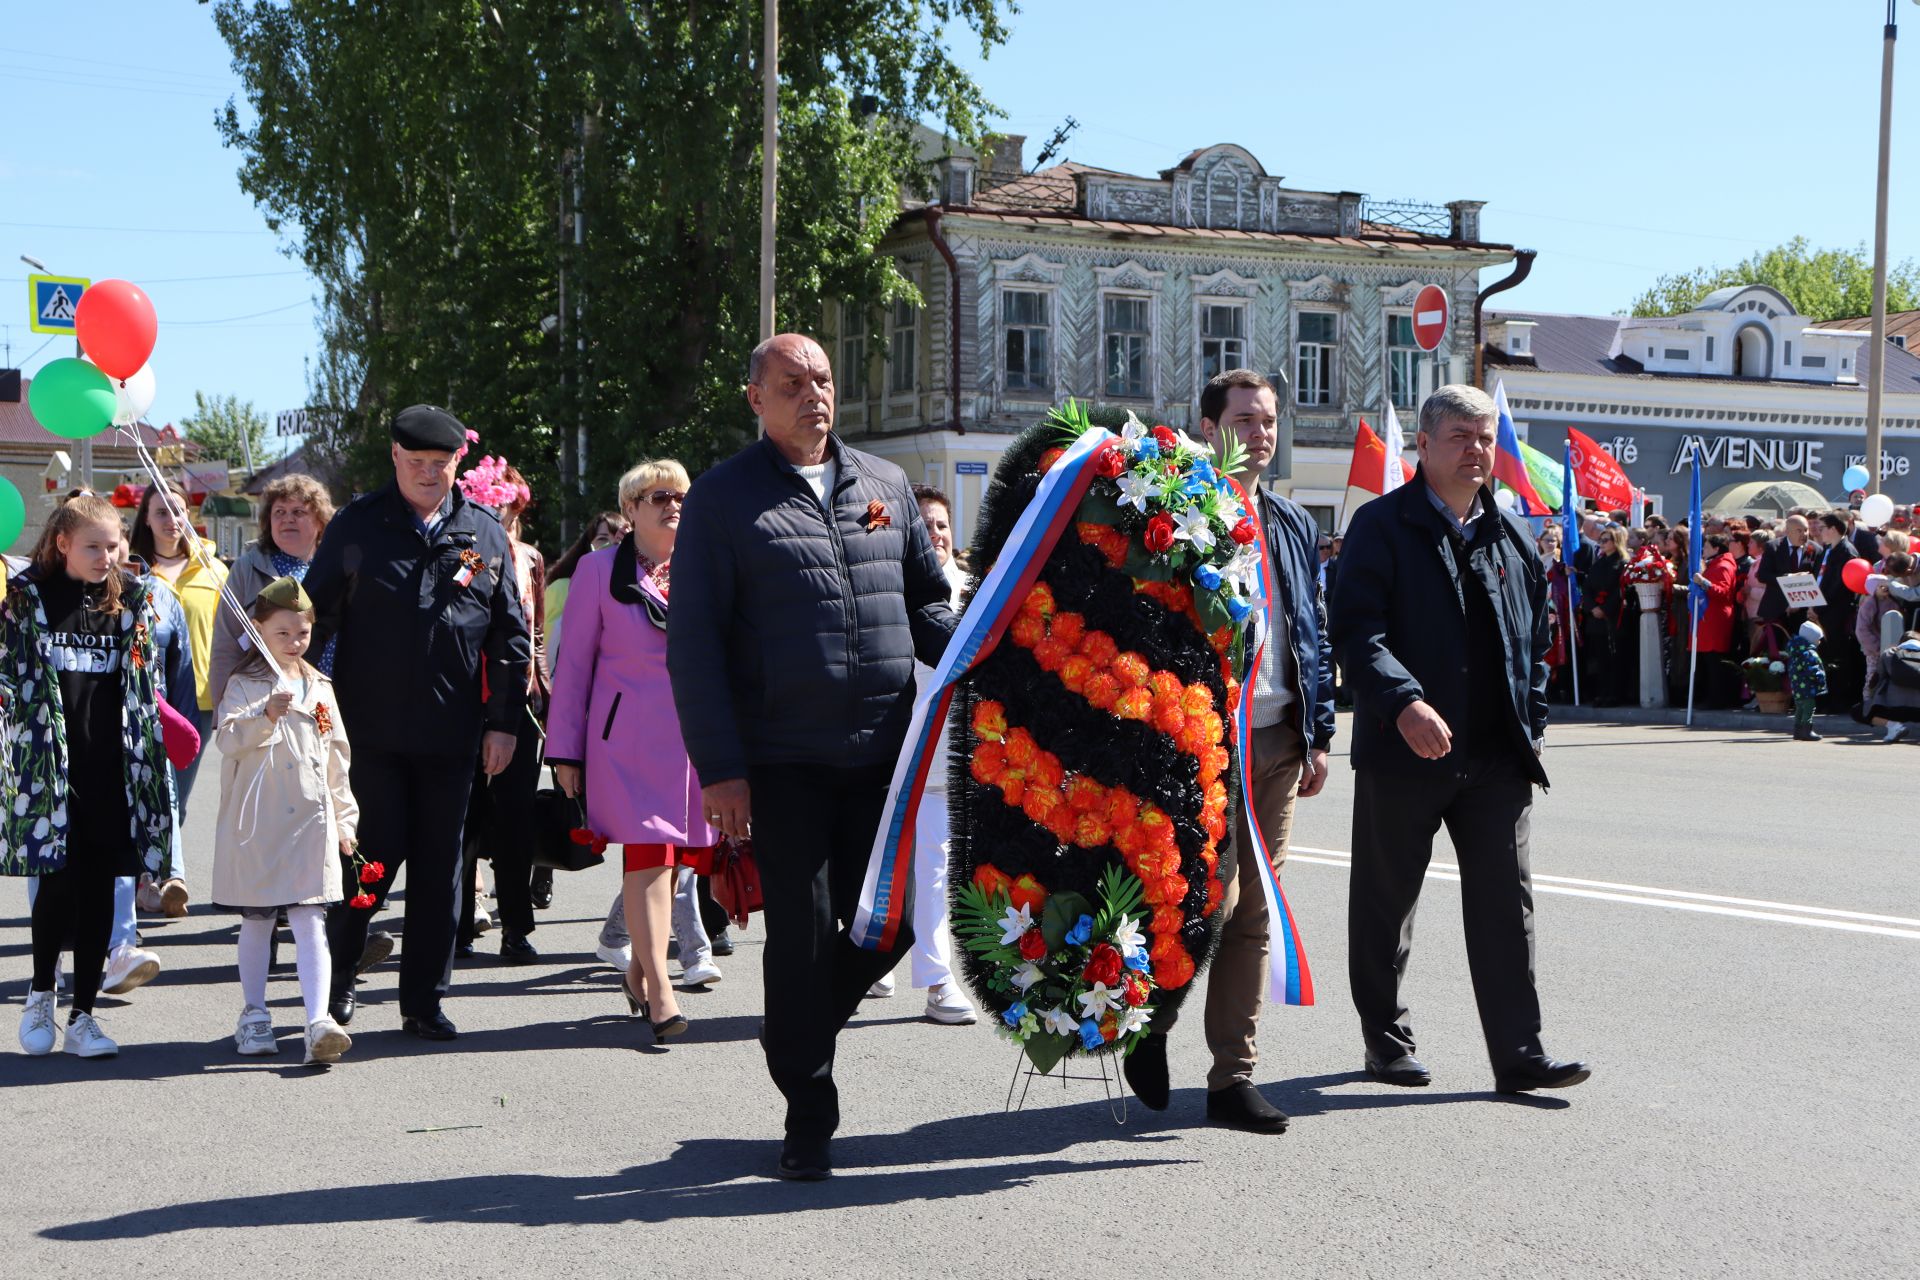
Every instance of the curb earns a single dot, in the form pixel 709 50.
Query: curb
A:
pixel 1563 713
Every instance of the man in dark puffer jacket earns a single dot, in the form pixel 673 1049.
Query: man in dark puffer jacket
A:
pixel 804 585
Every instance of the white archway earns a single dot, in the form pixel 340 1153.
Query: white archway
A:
pixel 1753 351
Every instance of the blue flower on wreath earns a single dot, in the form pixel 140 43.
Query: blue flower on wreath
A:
pixel 1081 931
pixel 1149 447
pixel 1090 1037
pixel 1207 576
pixel 1203 471
pixel 1015 1013
pixel 1136 960
pixel 1237 609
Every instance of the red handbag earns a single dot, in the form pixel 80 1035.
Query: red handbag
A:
pixel 736 880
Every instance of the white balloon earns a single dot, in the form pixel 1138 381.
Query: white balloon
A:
pixel 132 397
pixel 1504 499
pixel 1876 511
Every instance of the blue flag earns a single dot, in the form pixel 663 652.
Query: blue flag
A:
pixel 1569 524
pixel 1696 540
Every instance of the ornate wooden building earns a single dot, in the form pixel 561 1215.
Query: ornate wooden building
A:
pixel 1130 292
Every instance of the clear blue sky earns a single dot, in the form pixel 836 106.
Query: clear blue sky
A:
pixel 1622 140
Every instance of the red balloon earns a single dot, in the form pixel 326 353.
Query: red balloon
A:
pixel 1854 573
pixel 116 327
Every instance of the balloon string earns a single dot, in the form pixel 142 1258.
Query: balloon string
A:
pixel 198 550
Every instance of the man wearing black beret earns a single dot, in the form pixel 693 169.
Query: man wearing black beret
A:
pixel 418 584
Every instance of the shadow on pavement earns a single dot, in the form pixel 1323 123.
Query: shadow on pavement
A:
pixel 703 1178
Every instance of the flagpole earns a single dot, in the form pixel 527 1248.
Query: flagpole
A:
pixel 1573 633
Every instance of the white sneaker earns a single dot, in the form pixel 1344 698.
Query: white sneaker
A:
pixel 326 1041
pixel 700 975
pixel 36 1024
pixel 253 1037
pixel 128 967
pixel 482 918
pixel 948 1007
pixel 85 1039
pixel 882 989
pixel 620 958
pixel 1895 731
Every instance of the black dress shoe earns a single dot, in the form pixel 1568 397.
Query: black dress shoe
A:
pixel 543 888
pixel 1406 1071
pixel 437 1027
pixel 1146 1071
pixel 379 947
pixel 805 1160
pixel 722 943
pixel 1540 1073
pixel 341 1008
pixel 463 950
pixel 1240 1106
pixel 515 949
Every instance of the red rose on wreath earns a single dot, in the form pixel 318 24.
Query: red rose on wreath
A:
pixel 1104 965
pixel 1243 533
pixel 1109 462
pixel 370 872
pixel 1164 437
pixel 1033 945
pixel 1136 991
pixel 1159 533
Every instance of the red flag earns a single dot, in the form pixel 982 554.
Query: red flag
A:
pixel 1597 475
pixel 1369 466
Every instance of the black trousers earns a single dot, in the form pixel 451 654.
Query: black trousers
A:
pixel 412 811
pixel 813 827
pixel 73 907
pixel 500 829
pixel 1487 813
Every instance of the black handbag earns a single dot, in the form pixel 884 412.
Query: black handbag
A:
pixel 565 841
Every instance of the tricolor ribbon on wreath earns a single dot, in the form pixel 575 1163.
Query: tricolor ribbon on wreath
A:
pixel 995 605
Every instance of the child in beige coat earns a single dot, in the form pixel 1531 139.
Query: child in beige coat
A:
pixel 287 817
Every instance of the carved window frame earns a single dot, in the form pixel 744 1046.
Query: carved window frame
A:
pixel 1322 295
pixel 895 397
pixel 1128 280
pixel 1223 288
pixel 1028 273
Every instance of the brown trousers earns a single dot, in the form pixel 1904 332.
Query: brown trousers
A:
pixel 1237 981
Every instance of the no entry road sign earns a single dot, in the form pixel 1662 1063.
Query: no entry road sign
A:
pixel 1430 317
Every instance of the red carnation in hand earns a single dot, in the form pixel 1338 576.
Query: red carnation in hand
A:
pixel 1243 533
pixel 1033 945
pixel 361 901
pixel 1159 533
pixel 1164 437
pixel 1104 965
pixel 1109 462
pixel 370 872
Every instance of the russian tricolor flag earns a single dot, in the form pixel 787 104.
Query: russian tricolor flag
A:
pixel 1509 468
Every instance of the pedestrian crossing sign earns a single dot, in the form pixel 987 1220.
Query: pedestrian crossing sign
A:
pixel 53 300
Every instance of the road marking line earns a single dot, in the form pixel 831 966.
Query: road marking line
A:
pixel 1707 904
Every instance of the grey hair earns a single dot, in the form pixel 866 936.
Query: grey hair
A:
pixel 1456 402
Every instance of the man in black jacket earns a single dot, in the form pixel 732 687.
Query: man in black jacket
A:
pixel 1841 651
pixel 1791 553
pixel 804 585
pixel 418 584
pixel 1441 617
pixel 1292 729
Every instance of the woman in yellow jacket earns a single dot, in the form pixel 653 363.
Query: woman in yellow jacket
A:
pixel 163 536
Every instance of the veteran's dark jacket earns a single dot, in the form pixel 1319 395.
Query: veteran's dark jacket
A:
pixel 1399 623
pixel 413 638
pixel 1293 540
pixel 793 631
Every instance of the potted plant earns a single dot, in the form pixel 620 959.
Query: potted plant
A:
pixel 1651 578
pixel 1767 677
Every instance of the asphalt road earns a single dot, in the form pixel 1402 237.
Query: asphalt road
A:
pixel 1752 1111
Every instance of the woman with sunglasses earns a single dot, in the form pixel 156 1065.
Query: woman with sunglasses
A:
pixel 613 736
pixel 606 530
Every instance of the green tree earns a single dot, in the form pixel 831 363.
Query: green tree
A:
pixel 1825 284
pixel 443 168
pixel 229 428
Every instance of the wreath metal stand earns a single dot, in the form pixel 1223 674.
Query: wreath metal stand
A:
pixel 1110 1082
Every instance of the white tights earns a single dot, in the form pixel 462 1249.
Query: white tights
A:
pixel 309 926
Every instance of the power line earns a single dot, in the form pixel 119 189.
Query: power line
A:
pixel 148 231
pixel 272 311
pixel 102 62
pixel 251 275
pixel 1620 226
pixel 83 80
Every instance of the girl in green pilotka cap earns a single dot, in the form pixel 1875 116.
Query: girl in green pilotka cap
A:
pixel 287 817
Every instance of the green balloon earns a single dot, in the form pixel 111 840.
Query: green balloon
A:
pixel 71 398
pixel 13 513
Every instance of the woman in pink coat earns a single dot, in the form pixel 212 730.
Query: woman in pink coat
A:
pixel 613 721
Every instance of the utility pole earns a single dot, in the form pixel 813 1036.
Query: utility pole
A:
pixel 1877 342
pixel 769 160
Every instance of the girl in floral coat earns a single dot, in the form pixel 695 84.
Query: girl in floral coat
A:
pixel 84 786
